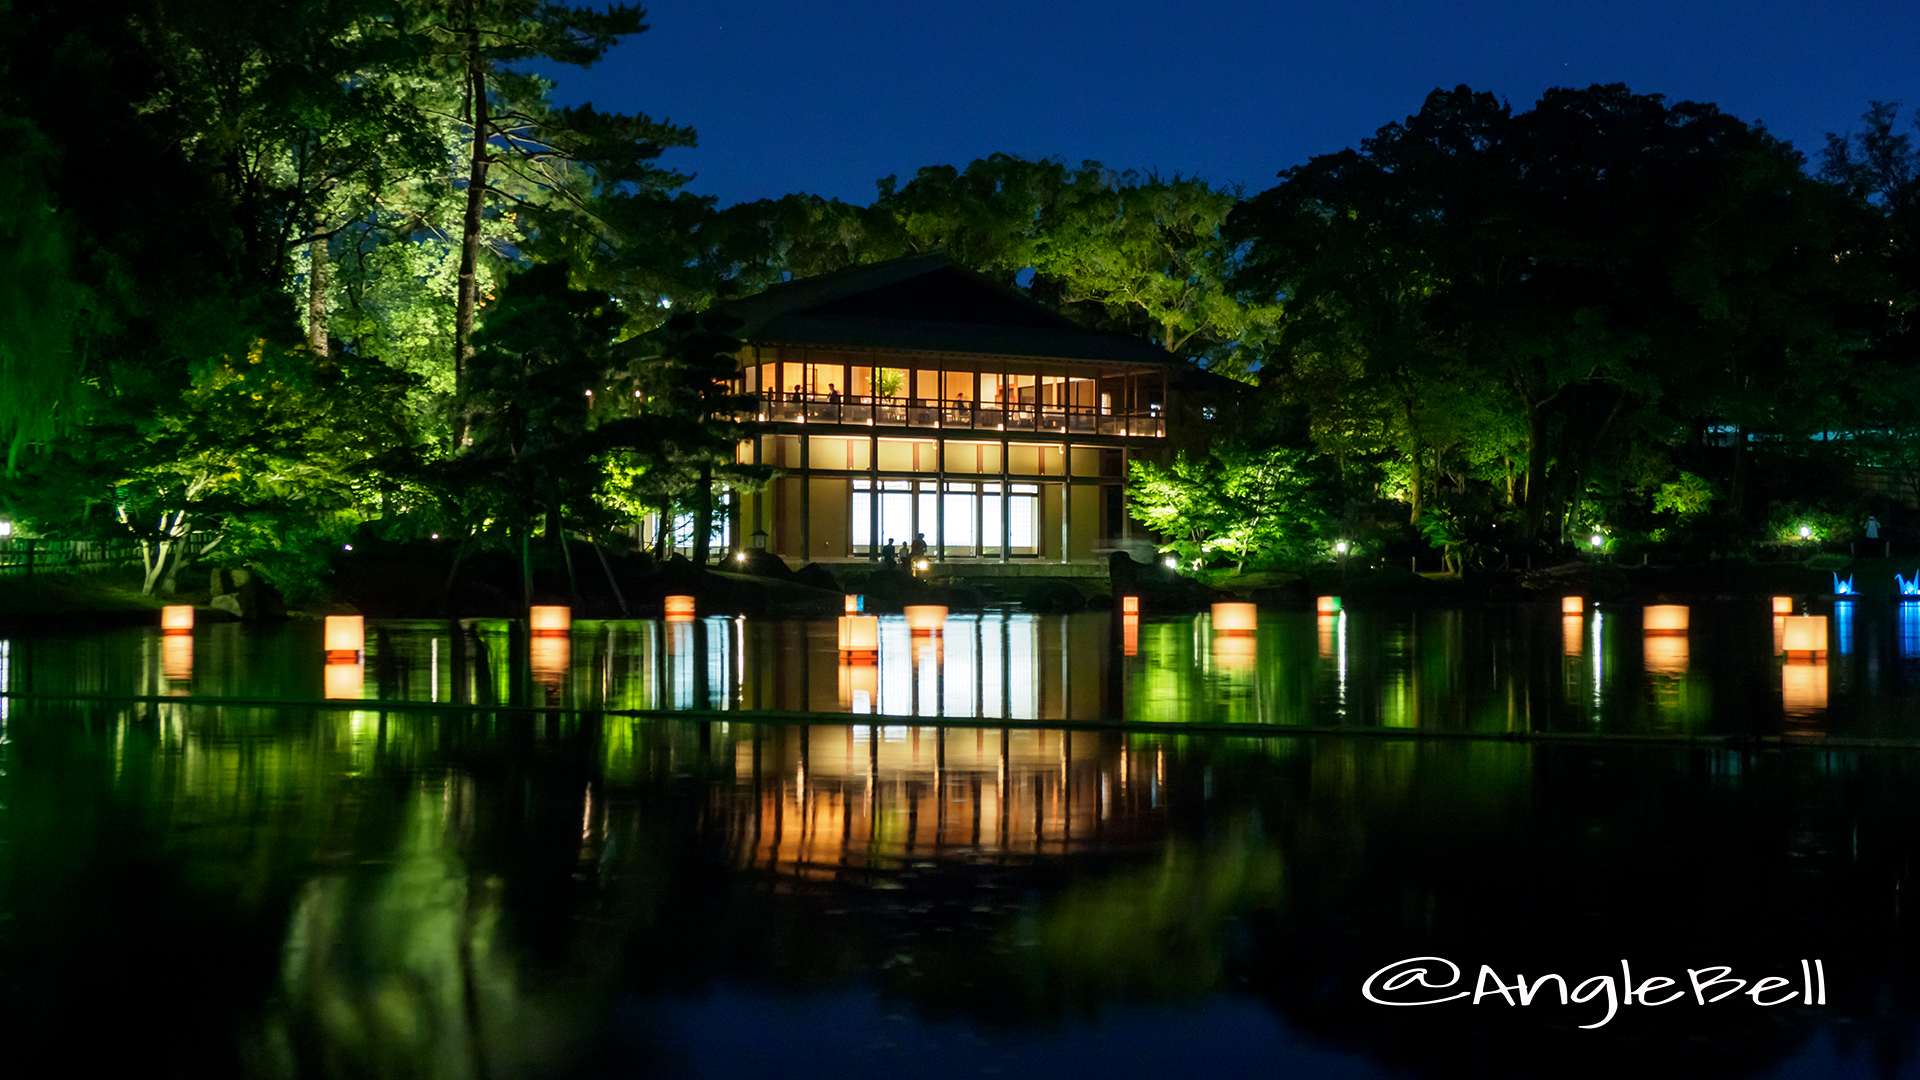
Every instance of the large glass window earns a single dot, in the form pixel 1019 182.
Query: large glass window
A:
pixel 965 519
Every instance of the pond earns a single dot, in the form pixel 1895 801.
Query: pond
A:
pixel 1024 845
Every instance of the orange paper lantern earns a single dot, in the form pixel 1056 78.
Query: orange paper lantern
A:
pixel 1783 605
pixel 1804 635
pixel 346 635
pixel 1666 619
pixel 679 609
pixel 925 618
pixel 176 619
pixel 1235 618
pixel 1327 605
pixel 549 619
pixel 859 635
pixel 1129 605
pixel 1573 605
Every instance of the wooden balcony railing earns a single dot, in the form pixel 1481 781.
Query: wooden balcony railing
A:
pixel 925 413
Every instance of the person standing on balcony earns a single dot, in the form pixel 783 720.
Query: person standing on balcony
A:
pixel 917 552
pixel 887 553
pixel 833 395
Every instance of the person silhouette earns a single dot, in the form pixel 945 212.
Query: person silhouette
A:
pixel 886 553
pixel 918 550
pixel 1873 527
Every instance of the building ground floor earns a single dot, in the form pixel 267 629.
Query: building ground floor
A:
pixel 852 519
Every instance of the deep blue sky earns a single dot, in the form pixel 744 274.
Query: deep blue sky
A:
pixel 826 97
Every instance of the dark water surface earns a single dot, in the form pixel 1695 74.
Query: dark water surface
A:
pixel 314 888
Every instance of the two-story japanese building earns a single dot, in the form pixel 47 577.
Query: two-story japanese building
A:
pixel 915 397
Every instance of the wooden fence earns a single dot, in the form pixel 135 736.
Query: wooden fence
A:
pixel 22 556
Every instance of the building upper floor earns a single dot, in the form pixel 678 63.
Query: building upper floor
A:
pixel 922 343
pixel 828 386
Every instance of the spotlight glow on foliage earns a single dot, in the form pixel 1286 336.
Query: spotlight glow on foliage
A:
pixel 1597 541
pixel 1806 531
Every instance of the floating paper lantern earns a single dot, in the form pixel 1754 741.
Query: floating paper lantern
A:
pixel 1572 635
pixel 176 619
pixel 859 635
pixel 1129 605
pixel 1235 618
pixel 1804 636
pixel 679 609
pixel 1666 619
pixel 1573 605
pixel 1783 605
pixel 545 619
pixel 1666 654
pixel 1327 605
pixel 346 635
pixel 856 603
pixel 1803 687
pixel 925 618
pixel 1130 635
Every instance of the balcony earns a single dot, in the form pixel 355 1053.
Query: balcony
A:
pixel 964 416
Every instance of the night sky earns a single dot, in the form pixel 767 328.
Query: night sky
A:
pixel 827 97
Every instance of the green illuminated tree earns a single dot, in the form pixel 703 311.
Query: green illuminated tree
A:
pixel 1242 502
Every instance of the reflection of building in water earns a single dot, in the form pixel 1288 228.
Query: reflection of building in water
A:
pixel 829 797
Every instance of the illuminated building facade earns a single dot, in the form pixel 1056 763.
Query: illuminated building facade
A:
pixel 915 397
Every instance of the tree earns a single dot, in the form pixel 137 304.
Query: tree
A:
pixel 510 125
pixel 1240 501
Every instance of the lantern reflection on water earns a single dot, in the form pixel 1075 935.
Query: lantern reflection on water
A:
pixel 176 657
pixel 1235 652
pixel 1666 654
pixel 1803 687
pixel 549 655
pixel 1666 619
pixel 345 678
pixel 1130 635
pixel 1804 636
pixel 859 683
pixel 1572 634
pixel 1326 625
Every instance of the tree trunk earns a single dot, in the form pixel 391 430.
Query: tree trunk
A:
pixel 703 515
pixel 468 295
pixel 1535 492
pixel 1415 484
pixel 317 268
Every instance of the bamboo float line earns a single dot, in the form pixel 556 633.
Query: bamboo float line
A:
pixel 793 717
